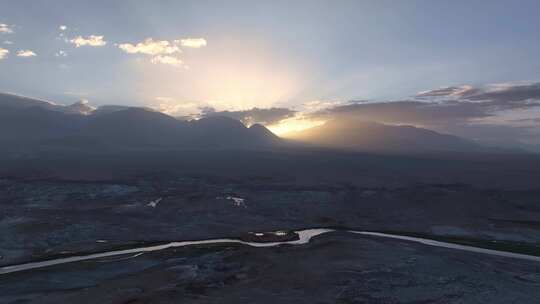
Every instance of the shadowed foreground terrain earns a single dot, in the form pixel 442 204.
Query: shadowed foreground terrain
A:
pixel 334 268
pixel 58 203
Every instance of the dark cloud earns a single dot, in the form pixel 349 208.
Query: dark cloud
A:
pixel 408 111
pixel 459 92
pixel 527 120
pixel 510 93
pixel 450 105
pixel 503 93
pixel 255 115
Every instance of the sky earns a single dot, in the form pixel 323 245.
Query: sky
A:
pixel 188 57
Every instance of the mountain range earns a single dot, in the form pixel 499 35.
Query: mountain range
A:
pixel 31 122
pixel 28 123
pixel 361 135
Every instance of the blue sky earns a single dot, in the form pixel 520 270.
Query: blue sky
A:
pixel 264 53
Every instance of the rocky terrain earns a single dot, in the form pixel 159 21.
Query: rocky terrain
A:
pixel 51 218
pixel 56 204
pixel 48 218
pixel 333 268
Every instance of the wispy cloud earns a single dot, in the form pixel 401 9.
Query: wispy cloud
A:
pixel 60 53
pixel 63 32
pixel 501 92
pixel 5 29
pixel 26 53
pixel 3 53
pixel 192 42
pixel 8 42
pixel 256 115
pixel 317 105
pixel 174 107
pixel 92 40
pixel 170 60
pixel 448 105
pixel 293 124
pixel 76 93
pixel 151 47
pixel 455 92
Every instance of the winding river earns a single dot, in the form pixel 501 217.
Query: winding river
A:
pixel 304 236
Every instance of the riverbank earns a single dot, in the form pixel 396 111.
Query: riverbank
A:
pixel 278 238
pixel 335 267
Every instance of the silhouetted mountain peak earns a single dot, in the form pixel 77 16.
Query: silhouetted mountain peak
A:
pixel 41 123
pixel 220 122
pixel 21 102
pixel 258 129
pixel 374 136
pixel 80 107
pixel 106 109
pixel 132 120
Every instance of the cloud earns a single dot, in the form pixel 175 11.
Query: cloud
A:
pixel 529 120
pixel 207 111
pixel 293 124
pixel 92 40
pixel 8 42
pixel 445 105
pixel 249 117
pixel 170 60
pixel 192 42
pixel 151 47
pixel 163 51
pixel 3 53
pixel 458 92
pixel 60 53
pixel 502 93
pixel 317 105
pixel 26 53
pixel 405 112
pixel 5 29
pixel 62 35
pixel 174 107
pixel 479 113
pixel 76 93
pixel 513 93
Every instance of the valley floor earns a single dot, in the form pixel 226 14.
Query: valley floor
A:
pixel 51 218
pixel 333 268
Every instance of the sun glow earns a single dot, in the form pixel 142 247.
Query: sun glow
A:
pixel 294 124
pixel 232 74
